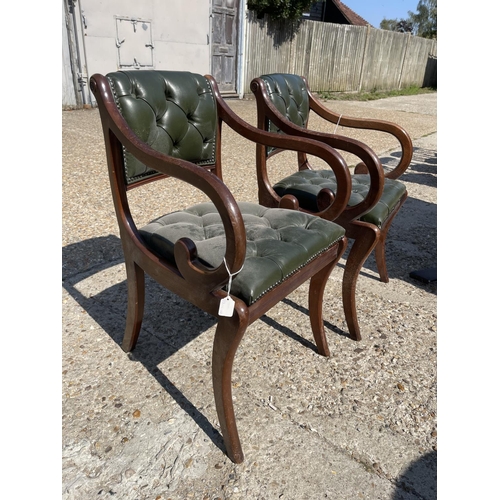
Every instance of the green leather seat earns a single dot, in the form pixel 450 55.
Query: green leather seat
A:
pixel 279 242
pixel 305 185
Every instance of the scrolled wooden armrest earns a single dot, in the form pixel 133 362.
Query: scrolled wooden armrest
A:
pixel 369 124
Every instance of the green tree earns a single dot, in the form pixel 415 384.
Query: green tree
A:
pixel 422 23
pixel 389 24
pixel 280 9
pixel 401 25
pixel 425 19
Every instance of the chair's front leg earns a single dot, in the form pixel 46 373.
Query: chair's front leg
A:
pixel 366 236
pixel 135 306
pixel 228 335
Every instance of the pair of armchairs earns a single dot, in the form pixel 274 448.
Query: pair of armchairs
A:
pixel 233 260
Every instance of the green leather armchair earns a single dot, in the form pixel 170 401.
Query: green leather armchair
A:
pixel 232 260
pixel 284 103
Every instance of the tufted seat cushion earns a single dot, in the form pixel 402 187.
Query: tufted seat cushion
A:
pixel 173 112
pixel 279 242
pixel 306 184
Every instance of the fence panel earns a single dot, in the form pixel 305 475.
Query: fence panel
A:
pixel 416 60
pixel 337 57
pixel 384 56
pixel 267 52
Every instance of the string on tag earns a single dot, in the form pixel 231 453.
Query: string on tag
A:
pixel 231 276
pixel 336 126
pixel 226 305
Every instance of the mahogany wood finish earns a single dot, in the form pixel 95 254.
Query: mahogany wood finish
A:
pixel 366 236
pixel 190 279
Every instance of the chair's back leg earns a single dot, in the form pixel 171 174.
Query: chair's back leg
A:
pixel 135 306
pixel 380 258
pixel 380 248
pixel 365 236
pixel 228 335
pixel 316 291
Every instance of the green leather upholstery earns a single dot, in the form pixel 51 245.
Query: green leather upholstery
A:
pixel 289 94
pixel 173 112
pixel 279 242
pixel 306 184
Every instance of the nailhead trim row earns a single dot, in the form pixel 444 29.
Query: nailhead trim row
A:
pixel 295 271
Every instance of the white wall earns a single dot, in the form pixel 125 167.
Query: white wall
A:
pixel 176 24
pixel 180 31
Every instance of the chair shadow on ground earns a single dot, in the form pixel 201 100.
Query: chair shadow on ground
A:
pixel 170 322
pixel 408 246
pixel 422 169
pixel 419 479
pixel 160 338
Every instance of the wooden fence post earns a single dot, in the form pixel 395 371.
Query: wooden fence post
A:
pixel 363 61
pixel 404 60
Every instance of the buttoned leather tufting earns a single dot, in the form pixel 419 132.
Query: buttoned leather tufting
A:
pixel 173 112
pixel 279 242
pixel 305 185
pixel 289 94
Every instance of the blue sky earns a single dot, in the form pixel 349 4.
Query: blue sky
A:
pixel 374 11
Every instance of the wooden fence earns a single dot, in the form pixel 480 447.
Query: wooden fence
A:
pixel 338 57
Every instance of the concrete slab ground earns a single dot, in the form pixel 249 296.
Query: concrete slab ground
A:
pixel 360 424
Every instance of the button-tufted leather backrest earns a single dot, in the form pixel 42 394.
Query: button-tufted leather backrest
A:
pixel 173 112
pixel 289 94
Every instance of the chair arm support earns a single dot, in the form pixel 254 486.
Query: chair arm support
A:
pixel 292 143
pixel 120 134
pixel 365 153
pixel 369 124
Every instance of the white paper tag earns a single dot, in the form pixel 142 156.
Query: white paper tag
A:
pixel 226 307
